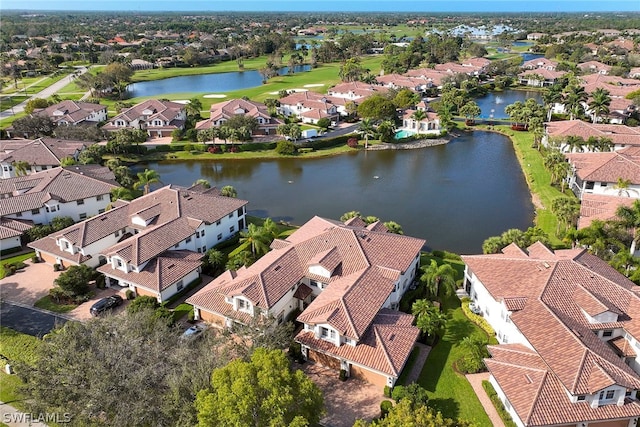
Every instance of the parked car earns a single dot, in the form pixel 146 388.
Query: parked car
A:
pixel 105 304
pixel 193 332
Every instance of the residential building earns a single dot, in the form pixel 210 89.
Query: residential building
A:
pixel 568 329
pixel 594 67
pixel 429 78
pixel 12 233
pixel 346 278
pixel 41 154
pixel 72 113
pixel 540 77
pixel 535 36
pixel 312 106
pixel 429 124
pixel 356 90
pixel 74 191
pixel 539 64
pixel 152 245
pixel 158 118
pixel 602 207
pixel 599 173
pixel 621 136
pixel 223 111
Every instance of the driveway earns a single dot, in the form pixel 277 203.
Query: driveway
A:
pixel 29 284
pixel 29 320
pixel 82 312
pixel 344 401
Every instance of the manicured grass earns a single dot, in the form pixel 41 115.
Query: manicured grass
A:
pixel 539 180
pixel 13 260
pixel 17 348
pixel 9 389
pixel 180 311
pixel 46 303
pixel 450 392
pixel 402 379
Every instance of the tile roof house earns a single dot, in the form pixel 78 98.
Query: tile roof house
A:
pixel 594 67
pixel 569 331
pixel 74 112
pixel 540 77
pixel 158 118
pixel 539 64
pixel 430 124
pixel 599 173
pixel 75 191
pixel 356 90
pixel 41 154
pixel 311 106
pixel 601 207
pixel 152 245
pixel 620 135
pixel 223 111
pixel 346 278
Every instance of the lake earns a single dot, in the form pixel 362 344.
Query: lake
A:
pixel 207 83
pixel 495 102
pixel 454 196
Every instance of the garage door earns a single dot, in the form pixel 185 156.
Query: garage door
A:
pixel 368 376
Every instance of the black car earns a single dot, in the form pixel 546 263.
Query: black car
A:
pixel 105 304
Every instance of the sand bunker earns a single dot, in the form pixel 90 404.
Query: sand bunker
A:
pixel 215 95
pixel 291 90
pixel 314 85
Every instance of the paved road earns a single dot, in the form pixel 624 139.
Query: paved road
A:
pixel 44 93
pixel 28 320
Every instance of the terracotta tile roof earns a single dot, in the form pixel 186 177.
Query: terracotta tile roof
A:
pixel 543 72
pixel 619 134
pixel 302 292
pixel 166 111
pixel 71 111
pixel 44 151
pixel 63 184
pixel 13 228
pixel 357 89
pixel 428 75
pixel 385 347
pixel 538 396
pixel 540 62
pixel 162 272
pixel 622 347
pixel 227 109
pixel 48 245
pixel 559 288
pixel 607 166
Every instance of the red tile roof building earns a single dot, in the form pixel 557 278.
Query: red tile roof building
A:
pixel 157 118
pixel 347 278
pixel 569 348
pixel 223 111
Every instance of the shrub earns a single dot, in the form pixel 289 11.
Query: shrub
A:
pixel 142 302
pixel 188 147
pixel 100 281
pixel 352 142
pixel 386 391
pixel 129 294
pixel 213 149
pixel 191 317
pixel 343 375
pixel 233 149
pixel 35 259
pixel 385 407
pixel 497 403
pixel 57 267
pixel 295 351
pixel 477 319
pixel 285 148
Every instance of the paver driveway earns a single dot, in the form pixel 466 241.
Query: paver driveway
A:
pixel 344 401
pixel 29 284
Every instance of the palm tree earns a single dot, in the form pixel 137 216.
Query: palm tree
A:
pixel 575 143
pixel 216 259
pixel 21 167
pixel 193 108
pixel 429 319
pixel 418 115
pixel 630 218
pixel 386 130
pixel 270 228
pixel 435 276
pixel 202 182
pixel 145 179
pixel 256 239
pixel 552 96
pixel 573 100
pixel 622 186
pixel 228 191
pixel 348 215
pixel 599 104
pixel 366 130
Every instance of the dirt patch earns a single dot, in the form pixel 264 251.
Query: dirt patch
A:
pixel 535 199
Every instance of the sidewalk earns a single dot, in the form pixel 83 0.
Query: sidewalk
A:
pixel 476 382
pixel 416 369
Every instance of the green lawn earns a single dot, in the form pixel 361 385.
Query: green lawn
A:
pixel 181 310
pixel 450 392
pixel 46 303
pixel 13 260
pixel 17 348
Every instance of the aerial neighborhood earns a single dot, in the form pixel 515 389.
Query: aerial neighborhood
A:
pixel 135 159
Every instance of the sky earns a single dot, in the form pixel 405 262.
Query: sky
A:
pixel 329 5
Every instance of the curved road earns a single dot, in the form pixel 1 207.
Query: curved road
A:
pixel 44 93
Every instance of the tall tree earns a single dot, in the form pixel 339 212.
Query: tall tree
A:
pixel 599 104
pixel 257 239
pixel 366 130
pixel 146 179
pixel 22 167
pixel 264 391
pixel 228 191
pixel 630 219
pixel 439 278
pixel 429 319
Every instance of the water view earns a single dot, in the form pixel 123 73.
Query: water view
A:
pixel 494 103
pixel 454 196
pixel 215 82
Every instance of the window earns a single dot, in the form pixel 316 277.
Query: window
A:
pixel 118 262
pixel 202 233
pixel 240 211
pixel 80 202
pixel 603 184
pixel 18 214
pixel 204 249
pixel 589 185
pixel 66 245
pixel 176 245
pixel 232 229
pixel 197 234
pixel 220 236
pixel 218 222
pixel 199 251
pixel 100 211
pixel 82 216
pixel 582 398
pixel 99 197
pixel 180 285
pixel 607 333
pixel 610 394
pixel 242 304
pixel 35 211
pixel 231 215
pixel 188 240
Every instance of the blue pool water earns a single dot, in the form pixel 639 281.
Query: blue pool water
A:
pixel 403 134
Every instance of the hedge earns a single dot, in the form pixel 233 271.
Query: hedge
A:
pixel 477 319
pixel 491 392
pixel 256 146
pixel 325 142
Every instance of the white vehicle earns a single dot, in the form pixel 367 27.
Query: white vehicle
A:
pixel 310 133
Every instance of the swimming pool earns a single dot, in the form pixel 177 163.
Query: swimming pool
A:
pixel 403 133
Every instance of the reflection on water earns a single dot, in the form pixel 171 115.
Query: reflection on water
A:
pixel 494 103
pixel 454 196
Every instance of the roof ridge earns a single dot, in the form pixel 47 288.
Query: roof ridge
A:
pixel 535 397
pixel 583 361
pixel 385 352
